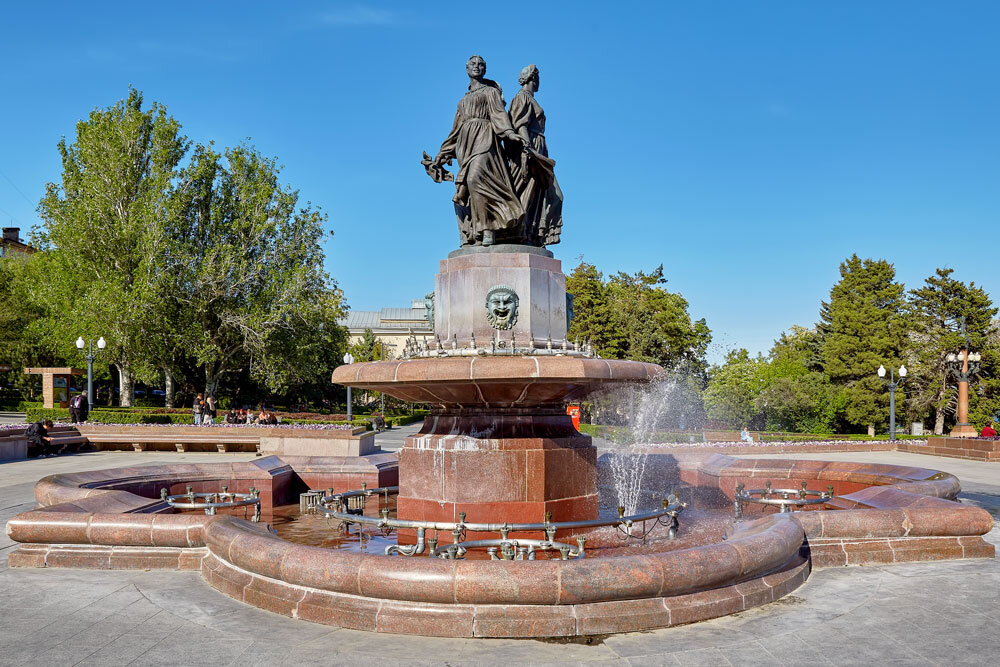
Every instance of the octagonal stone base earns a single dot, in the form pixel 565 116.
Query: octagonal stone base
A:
pixel 497 468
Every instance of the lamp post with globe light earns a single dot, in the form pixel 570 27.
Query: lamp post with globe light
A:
pixel 963 366
pixel 892 383
pixel 80 343
pixel 348 359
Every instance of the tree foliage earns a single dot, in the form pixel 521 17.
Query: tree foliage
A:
pixel 935 309
pixel 635 317
pixel 244 268
pixel 799 397
pixel 193 264
pixel 734 389
pixel 863 326
pixel 103 230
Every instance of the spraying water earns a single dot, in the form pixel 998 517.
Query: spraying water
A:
pixel 640 412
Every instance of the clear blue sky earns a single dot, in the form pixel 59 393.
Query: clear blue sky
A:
pixel 749 147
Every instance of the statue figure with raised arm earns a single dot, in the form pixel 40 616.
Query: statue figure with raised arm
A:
pixel 488 209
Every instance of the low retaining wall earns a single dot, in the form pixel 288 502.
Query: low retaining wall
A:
pixel 974 449
pixel 13 444
pixel 265 440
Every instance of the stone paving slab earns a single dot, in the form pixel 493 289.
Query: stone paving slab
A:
pixel 910 614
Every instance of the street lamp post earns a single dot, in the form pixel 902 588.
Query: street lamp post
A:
pixel 348 359
pixel 80 343
pixel 892 383
pixel 963 366
pixel 381 357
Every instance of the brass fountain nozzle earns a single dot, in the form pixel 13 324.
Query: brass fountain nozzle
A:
pixel 621 512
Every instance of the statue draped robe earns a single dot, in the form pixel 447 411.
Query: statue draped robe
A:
pixel 492 204
pixel 534 180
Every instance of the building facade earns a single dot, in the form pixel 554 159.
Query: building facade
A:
pixel 11 243
pixel 392 326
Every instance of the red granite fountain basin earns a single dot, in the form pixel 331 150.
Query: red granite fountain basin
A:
pixel 114 519
pixel 493 381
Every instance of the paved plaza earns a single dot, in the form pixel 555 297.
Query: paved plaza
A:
pixel 912 614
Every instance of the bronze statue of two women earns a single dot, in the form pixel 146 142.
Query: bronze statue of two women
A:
pixel 505 188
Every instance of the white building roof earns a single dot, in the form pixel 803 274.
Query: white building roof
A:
pixel 387 319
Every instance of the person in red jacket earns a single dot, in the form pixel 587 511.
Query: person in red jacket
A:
pixel 988 432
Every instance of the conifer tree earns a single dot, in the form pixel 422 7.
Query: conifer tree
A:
pixel 935 309
pixel 863 326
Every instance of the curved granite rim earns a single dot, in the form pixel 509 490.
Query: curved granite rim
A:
pixel 493 381
pixel 900 511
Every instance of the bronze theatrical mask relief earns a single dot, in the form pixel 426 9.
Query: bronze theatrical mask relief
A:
pixel 501 307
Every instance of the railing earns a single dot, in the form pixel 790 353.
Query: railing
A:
pixel 349 507
pixel 212 501
pixel 783 498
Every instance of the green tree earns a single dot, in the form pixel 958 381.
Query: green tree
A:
pixel 635 317
pixel 798 396
pixel 935 310
pixel 734 388
pixel 246 266
pixel 984 394
pixel 863 326
pixel 591 311
pixel 103 230
pixel 366 348
pixel 19 316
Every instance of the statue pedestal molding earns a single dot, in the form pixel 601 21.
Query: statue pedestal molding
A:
pixel 463 283
pixel 964 431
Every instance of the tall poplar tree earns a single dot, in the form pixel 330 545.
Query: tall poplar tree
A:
pixel 104 230
pixel 863 326
pixel 245 262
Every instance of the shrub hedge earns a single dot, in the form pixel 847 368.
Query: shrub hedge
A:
pixel 667 437
pixel 149 416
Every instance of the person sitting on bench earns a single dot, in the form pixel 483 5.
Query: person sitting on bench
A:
pixel 39 442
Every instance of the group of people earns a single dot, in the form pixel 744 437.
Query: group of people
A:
pixel 205 411
pixel 264 418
